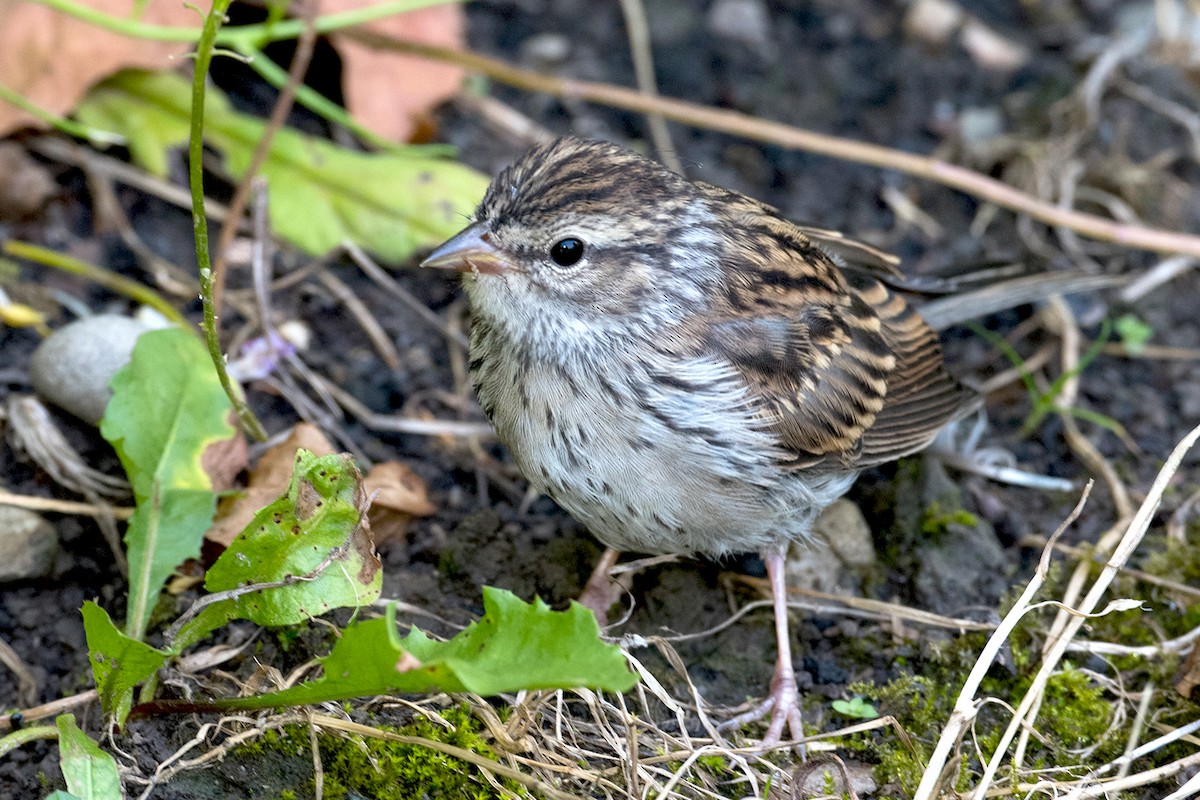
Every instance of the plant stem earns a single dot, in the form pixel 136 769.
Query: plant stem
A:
pixel 109 280
pixel 203 57
pixel 26 735
pixel 70 127
pixel 243 36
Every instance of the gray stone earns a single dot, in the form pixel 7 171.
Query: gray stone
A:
pixel 745 21
pixel 839 555
pixel 29 544
pixel 72 368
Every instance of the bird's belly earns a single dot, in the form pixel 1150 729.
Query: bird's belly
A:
pixel 673 472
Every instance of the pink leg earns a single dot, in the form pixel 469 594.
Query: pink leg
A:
pixel 783 703
pixel 601 592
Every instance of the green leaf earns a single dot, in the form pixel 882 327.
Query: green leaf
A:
pixel 321 195
pixel 152 122
pixel 1134 333
pixel 514 646
pixel 167 408
pixel 119 663
pixel 858 708
pixel 316 527
pixel 90 773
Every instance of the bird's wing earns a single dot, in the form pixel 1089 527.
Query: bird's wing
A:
pixel 845 375
pixel 921 395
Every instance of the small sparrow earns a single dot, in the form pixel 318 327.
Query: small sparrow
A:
pixel 682 369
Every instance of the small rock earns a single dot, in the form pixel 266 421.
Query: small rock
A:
pixel 965 568
pixel 933 21
pixel 546 49
pixel 29 544
pixel 862 779
pixel 990 49
pixel 72 368
pixel 839 555
pixel 979 124
pixel 744 21
pixel 842 525
pixel 25 185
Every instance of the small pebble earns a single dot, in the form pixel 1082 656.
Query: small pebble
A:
pixel 839 555
pixel 73 367
pixel 546 49
pixel 29 544
pixel 979 124
pixel 744 21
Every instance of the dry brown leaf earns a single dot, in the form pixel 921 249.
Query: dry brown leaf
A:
pixel 397 495
pixel 224 459
pixel 388 92
pixel 52 59
pixel 268 480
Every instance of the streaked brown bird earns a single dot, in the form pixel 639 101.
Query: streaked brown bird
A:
pixel 682 369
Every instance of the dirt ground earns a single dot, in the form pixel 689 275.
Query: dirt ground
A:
pixel 847 68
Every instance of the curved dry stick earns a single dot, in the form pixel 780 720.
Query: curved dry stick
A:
pixel 756 129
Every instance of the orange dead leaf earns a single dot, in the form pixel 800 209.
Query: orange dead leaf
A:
pixel 388 92
pixel 52 59
pixel 268 480
pixel 397 495
pixel 225 459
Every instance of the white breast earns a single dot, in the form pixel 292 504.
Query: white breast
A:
pixel 681 466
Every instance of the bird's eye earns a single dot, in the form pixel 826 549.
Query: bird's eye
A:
pixel 567 252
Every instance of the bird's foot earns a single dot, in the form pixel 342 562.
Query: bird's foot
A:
pixel 783 705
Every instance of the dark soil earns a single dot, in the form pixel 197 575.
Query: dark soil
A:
pixel 844 68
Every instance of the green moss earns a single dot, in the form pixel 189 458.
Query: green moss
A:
pixel 937 520
pixel 715 764
pixel 386 770
pixel 1076 711
pixel 1075 714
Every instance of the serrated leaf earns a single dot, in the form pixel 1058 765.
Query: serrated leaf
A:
pixel 119 663
pixel 321 195
pixel 90 773
pixel 167 408
pixel 514 646
pixel 318 524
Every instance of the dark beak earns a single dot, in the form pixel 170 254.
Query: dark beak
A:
pixel 469 251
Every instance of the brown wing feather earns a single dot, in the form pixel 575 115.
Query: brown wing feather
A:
pixel 845 375
pixel 922 396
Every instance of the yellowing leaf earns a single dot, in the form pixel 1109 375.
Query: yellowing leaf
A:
pixel 167 408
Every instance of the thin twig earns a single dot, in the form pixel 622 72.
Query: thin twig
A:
pixel 965 706
pixel 52 709
pixel 358 309
pixel 395 424
pixel 64 506
pixel 1129 541
pixel 756 129
pixel 389 285
pixel 638 29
